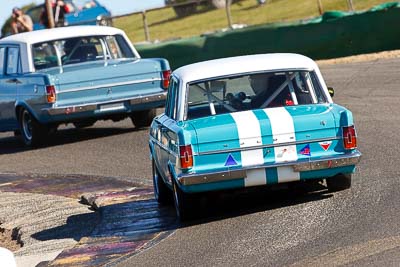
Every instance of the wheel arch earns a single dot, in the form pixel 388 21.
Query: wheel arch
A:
pixel 22 105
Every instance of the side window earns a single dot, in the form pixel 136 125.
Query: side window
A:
pixel 125 50
pixel 321 98
pixel 12 60
pixel 2 53
pixel 171 108
pixel 44 55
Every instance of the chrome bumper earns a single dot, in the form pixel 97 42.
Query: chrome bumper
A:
pixel 320 164
pixel 139 100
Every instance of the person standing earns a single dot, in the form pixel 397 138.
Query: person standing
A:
pixel 20 21
pixel 60 8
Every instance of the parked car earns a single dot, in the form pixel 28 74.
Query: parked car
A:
pixel 77 75
pixel 82 12
pixel 188 7
pixel 249 121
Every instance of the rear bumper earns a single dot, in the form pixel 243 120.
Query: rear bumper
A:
pixel 110 106
pixel 298 166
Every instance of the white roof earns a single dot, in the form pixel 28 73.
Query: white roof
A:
pixel 243 64
pixel 59 33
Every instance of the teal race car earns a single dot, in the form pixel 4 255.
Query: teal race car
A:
pixel 249 121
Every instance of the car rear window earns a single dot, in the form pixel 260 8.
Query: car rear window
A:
pixel 80 49
pixel 253 91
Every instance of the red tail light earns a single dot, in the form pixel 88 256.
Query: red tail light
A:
pixel 349 137
pixel 51 93
pixel 186 156
pixel 165 80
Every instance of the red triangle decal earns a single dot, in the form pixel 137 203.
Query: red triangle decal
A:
pixel 325 145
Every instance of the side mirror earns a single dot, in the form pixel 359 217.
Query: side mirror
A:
pixel 331 91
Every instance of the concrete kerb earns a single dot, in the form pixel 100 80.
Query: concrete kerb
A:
pixel 127 219
pixel 29 216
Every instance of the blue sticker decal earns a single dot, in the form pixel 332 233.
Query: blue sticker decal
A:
pixel 306 151
pixel 230 161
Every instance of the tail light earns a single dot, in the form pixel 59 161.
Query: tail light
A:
pixel 186 156
pixel 165 80
pixel 51 94
pixel 349 137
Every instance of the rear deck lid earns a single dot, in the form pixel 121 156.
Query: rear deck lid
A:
pixel 101 81
pixel 249 130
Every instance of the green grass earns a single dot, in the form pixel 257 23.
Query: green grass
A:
pixel 164 25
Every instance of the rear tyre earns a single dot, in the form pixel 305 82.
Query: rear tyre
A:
pixel 182 202
pixel 143 118
pixel 339 182
pixel 162 193
pixel 32 132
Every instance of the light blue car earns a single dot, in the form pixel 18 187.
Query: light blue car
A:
pixel 249 121
pixel 77 75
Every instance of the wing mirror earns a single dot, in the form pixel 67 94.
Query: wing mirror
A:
pixel 331 91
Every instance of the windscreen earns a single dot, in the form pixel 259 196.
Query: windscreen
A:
pixel 253 91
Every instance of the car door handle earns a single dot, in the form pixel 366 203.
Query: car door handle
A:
pixel 15 80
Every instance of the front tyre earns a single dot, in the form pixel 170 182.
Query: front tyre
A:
pixel 143 118
pixel 161 192
pixel 32 132
pixel 339 182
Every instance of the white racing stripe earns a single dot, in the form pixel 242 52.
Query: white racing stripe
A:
pixel 283 131
pixel 249 132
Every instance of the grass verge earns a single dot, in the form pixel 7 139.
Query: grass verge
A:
pixel 164 25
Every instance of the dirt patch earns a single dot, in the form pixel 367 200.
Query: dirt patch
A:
pixel 6 240
pixel 361 58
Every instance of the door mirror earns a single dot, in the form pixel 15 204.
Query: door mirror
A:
pixel 331 91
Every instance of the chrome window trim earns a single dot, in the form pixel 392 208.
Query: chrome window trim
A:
pixel 183 116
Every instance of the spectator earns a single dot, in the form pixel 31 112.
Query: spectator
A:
pixel 20 21
pixel 59 10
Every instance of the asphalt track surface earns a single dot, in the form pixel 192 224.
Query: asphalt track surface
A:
pixel 357 227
